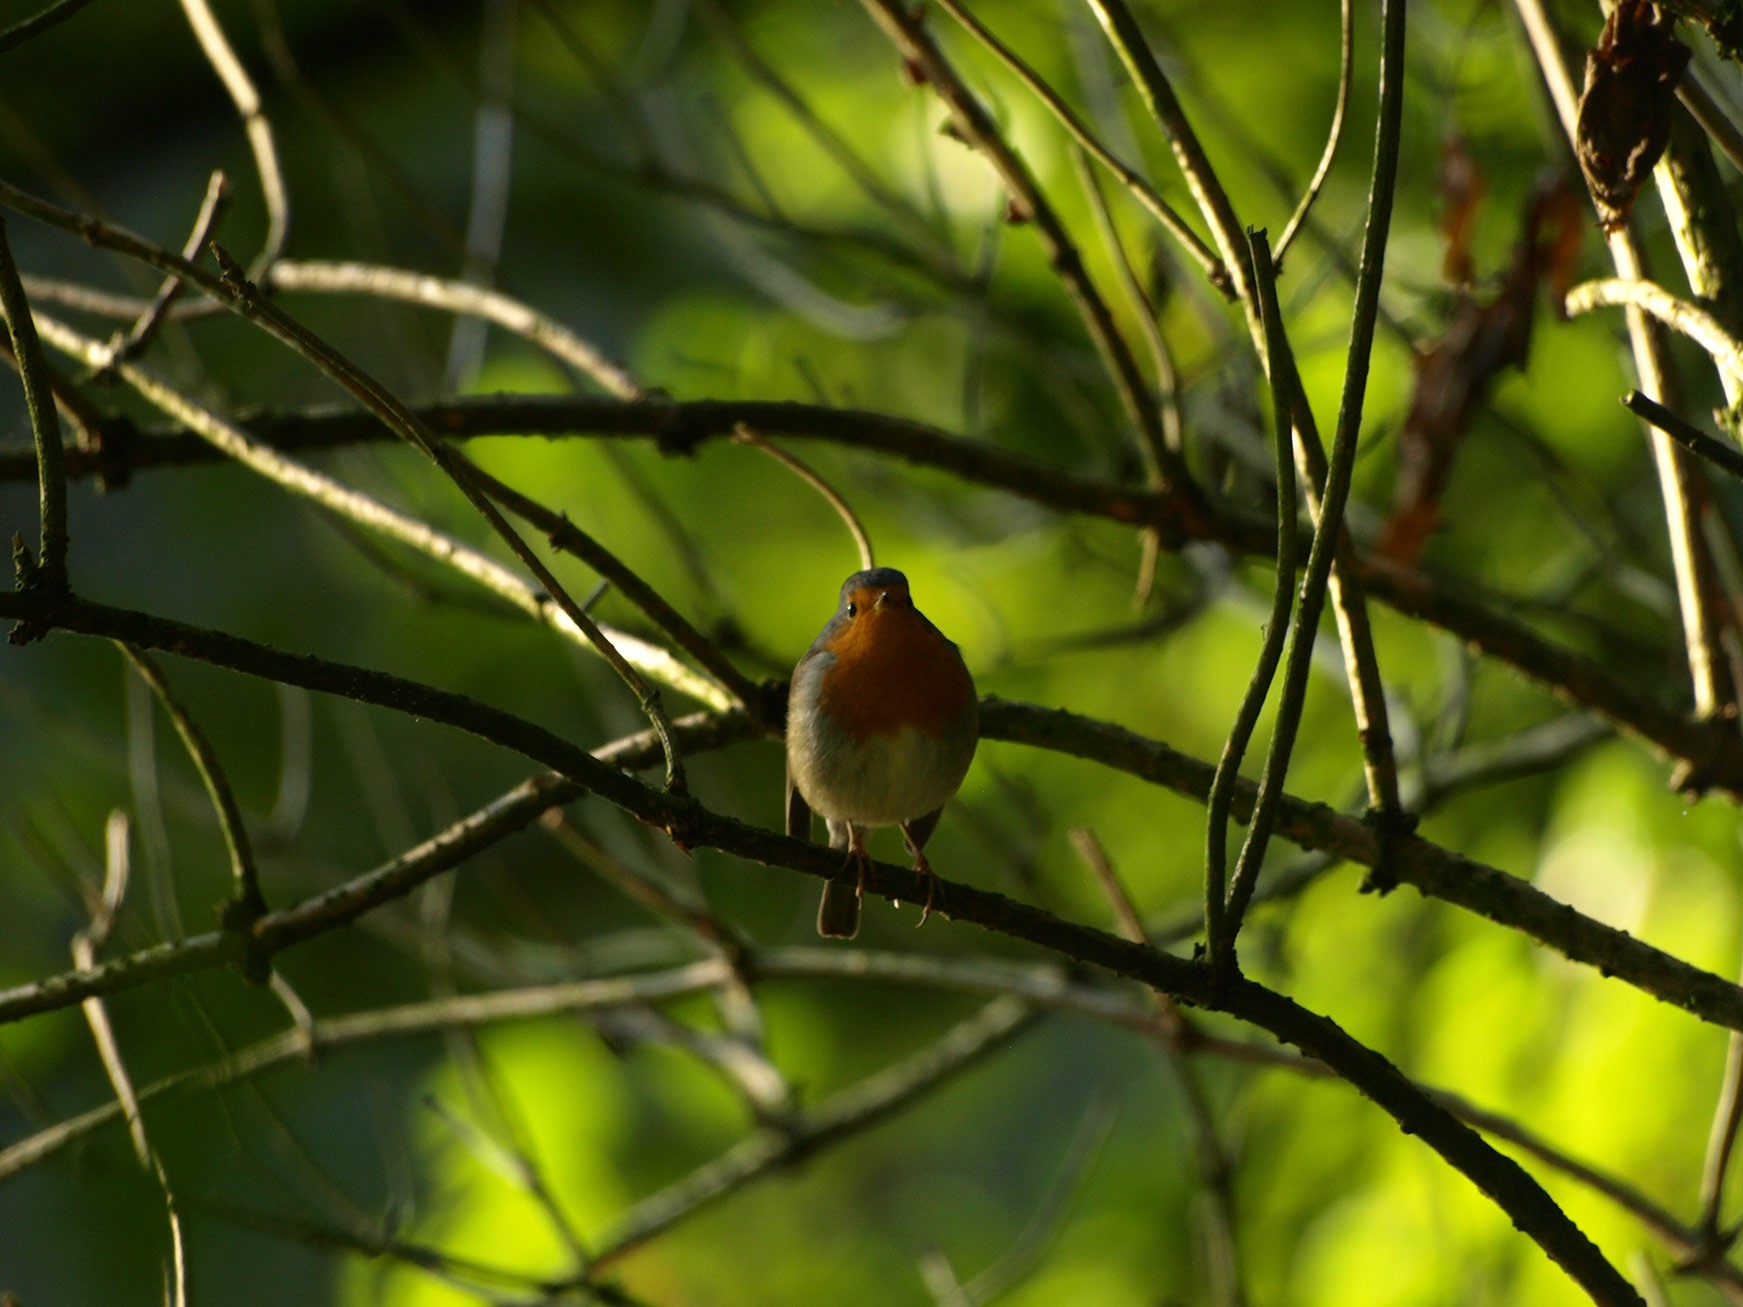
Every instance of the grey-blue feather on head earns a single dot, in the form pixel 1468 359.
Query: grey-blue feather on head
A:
pixel 873 578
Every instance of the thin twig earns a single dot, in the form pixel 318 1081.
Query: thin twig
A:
pixel 39 23
pixel 744 435
pixel 247 902
pixel 154 313
pixel 1723 456
pixel 1161 358
pixel 254 121
pixel 50 570
pixel 1346 60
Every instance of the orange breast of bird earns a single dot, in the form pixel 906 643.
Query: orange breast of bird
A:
pixel 893 670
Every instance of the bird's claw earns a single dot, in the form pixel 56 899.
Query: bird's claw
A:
pixel 924 868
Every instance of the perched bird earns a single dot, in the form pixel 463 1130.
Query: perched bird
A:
pixel 882 722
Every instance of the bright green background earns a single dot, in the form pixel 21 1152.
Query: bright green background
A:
pixel 1551 501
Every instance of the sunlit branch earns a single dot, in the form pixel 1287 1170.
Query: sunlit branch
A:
pixel 1709 754
pixel 354 505
pixel 458 297
pixel 1700 625
pixel 240 87
pixel 1681 316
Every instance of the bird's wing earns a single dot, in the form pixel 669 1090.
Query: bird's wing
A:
pixel 798 811
pixel 921 828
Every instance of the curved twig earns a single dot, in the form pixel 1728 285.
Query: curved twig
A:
pixel 1346 59
pixel 457 297
pixel 50 570
pixel 743 435
pixel 249 903
pixel 1678 314
pixel 242 94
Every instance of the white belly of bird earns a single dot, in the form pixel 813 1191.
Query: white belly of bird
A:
pixel 885 779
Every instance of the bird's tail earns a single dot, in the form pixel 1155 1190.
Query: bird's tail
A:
pixel 838 913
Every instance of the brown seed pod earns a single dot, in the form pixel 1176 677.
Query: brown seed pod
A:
pixel 1626 107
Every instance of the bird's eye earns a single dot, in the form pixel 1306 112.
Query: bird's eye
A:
pixel 852 608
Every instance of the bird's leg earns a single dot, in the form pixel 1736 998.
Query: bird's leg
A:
pixel 921 868
pixel 858 857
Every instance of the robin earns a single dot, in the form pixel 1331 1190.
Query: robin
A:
pixel 882 722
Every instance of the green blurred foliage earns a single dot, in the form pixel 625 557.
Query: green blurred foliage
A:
pixel 916 299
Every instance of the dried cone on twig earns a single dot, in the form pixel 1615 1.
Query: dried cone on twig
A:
pixel 1625 110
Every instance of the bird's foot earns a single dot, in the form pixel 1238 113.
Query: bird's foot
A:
pixel 923 868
